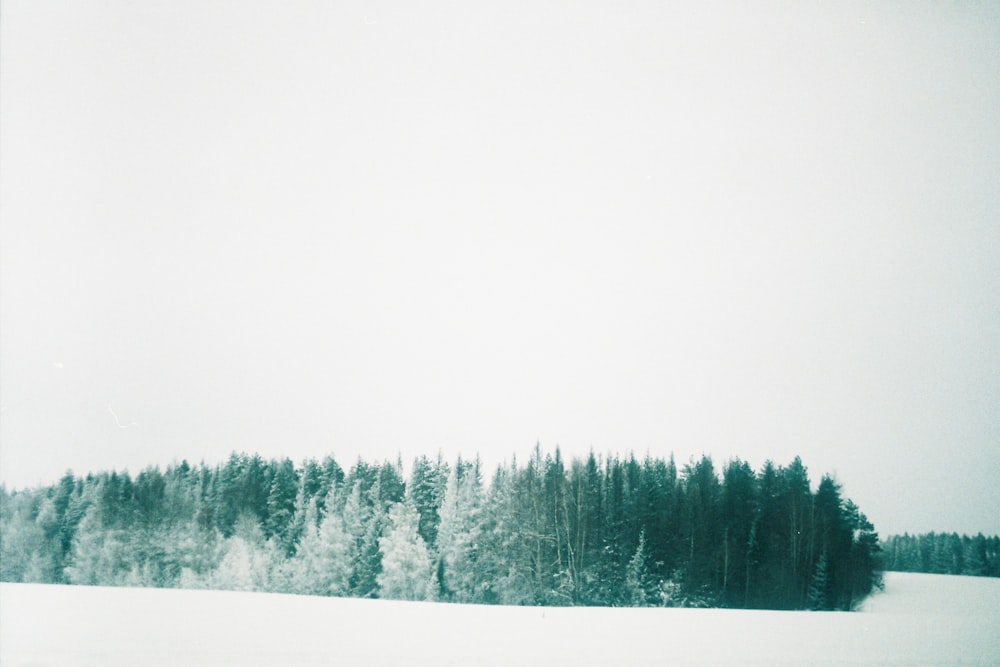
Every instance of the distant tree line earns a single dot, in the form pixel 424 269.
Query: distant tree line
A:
pixel 594 531
pixel 943 553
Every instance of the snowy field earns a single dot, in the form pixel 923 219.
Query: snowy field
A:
pixel 920 619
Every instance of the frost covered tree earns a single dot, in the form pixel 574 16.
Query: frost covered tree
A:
pixel 95 557
pixel 322 565
pixel 235 572
pixel 201 549
pixel 363 522
pixel 21 542
pixel 281 506
pixel 603 531
pixel 407 572
pixel 503 564
pixel 427 488
pixel 457 543
pixel 246 566
pixel 250 561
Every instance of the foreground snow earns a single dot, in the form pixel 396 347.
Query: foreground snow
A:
pixel 920 619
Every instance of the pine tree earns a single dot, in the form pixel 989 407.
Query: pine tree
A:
pixel 322 565
pixel 797 505
pixel 364 520
pixel 591 533
pixel 250 561
pixel 235 572
pixel 503 560
pixel 457 534
pixel 427 489
pixel 865 562
pixel 281 506
pixel 586 483
pixel 297 525
pixel 21 541
pixel 87 560
pixel 703 530
pixel 200 551
pixel 817 597
pixel 637 583
pixel 739 500
pixel 407 572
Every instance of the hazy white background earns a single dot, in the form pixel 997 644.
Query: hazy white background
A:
pixel 298 228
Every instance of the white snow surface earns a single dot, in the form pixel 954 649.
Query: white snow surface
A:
pixel 919 619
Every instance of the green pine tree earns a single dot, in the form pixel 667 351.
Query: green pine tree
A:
pixel 817 597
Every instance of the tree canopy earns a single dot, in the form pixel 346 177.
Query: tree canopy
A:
pixel 611 530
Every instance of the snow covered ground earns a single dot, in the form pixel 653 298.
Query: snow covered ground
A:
pixel 920 619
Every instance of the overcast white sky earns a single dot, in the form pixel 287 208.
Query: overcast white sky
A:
pixel 300 228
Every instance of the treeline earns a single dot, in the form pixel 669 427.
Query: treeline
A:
pixel 595 531
pixel 943 553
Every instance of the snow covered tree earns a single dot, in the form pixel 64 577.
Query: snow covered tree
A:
pixel 407 573
pixel 598 532
pixel 245 567
pixel 90 563
pixel 199 550
pixel 281 506
pixel 249 560
pixel 427 489
pixel 235 572
pixel 363 522
pixel 21 541
pixel 503 564
pixel 457 543
pixel 322 565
